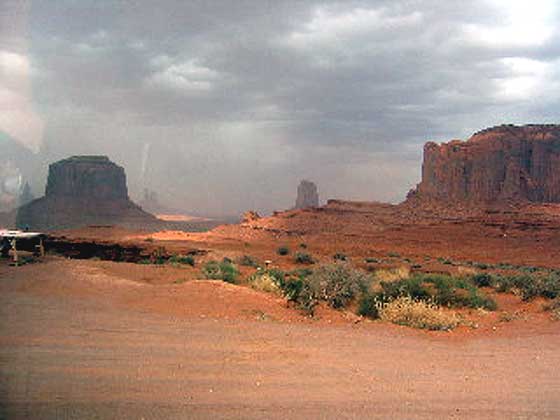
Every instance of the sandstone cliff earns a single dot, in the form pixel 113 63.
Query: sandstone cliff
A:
pixel 84 190
pixel 307 195
pixel 500 164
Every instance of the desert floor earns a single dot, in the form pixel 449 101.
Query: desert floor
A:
pixel 103 340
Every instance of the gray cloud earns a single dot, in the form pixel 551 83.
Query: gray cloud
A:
pixel 239 100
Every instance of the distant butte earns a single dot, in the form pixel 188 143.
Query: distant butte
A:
pixel 502 164
pixel 81 191
pixel 307 195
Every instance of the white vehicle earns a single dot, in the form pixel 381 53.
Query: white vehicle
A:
pixel 9 241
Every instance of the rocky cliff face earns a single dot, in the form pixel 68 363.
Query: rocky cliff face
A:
pixel 83 190
pixel 307 195
pixel 94 177
pixel 500 164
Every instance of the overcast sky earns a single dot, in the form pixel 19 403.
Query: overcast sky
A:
pixel 223 106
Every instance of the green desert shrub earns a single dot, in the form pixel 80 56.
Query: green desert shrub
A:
pixel 339 257
pixel 304 258
pixel 530 269
pixel 504 284
pixel 505 266
pixel 283 250
pixel 248 261
pixel 440 289
pixel 181 259
pixel 547 286
pixel 369 305
pixel 554 308
pixel 221 270
pixel 337 284
pixel 481 266
pixel 295 288
pixel 300 272
pixel 483 279
pixel 529 286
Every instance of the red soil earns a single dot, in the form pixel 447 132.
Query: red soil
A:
pixel 119 340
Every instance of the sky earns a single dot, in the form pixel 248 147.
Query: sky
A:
pixel 224 106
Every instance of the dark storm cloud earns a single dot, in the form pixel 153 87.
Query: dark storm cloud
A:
pixel 235 101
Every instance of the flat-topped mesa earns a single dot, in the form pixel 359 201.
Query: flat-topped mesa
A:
pixel 307 195
pixel 95 177
pixel 500 164
pixel 81 191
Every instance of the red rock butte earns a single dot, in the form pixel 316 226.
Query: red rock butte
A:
pixel 501 164
pixel 81 191
pixel 307 195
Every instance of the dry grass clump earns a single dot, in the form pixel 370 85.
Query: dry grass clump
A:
pixel 466 271
pixel 417 314
pixel 392 274
pixel 265 282
pixel 554 308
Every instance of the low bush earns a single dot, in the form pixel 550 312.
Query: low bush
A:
pixel 304 258
pixel 248 261
pixel 483 280
pixel 339 257
pixel 554 308
pixel 547 286
pixel 301 272
pixel 153 260
pixel 372 260
pixel 283 250
pixel 503 284
pixel 337 284
pixel 181 259
pixel 441 289
pixel 221 270
pixel 393 255
pixel 530 270
pixel 505 266
pixel 481 266
pixel 369 306
pixel 265 281
pixel 530 286
pixel 417 314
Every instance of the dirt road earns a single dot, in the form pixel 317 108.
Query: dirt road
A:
pixel 72 347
